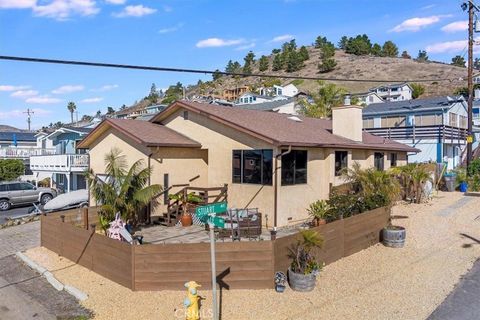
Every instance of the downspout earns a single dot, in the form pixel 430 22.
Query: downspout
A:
pixel 149 220
pixel 275 186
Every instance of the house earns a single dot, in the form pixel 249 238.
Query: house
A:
pixel 252 98
pixel 366 98
pixel 233 94
pixel 437 126
pixel 275 162
pixel 288 106
pixel 394 92
pixel 66 165
pixel 289 90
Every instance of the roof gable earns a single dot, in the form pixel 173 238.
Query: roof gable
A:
pixel 144 133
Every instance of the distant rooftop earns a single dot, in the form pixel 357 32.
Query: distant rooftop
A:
pixel 265 106
pixel 427 104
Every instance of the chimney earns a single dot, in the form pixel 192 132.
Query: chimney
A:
pixel 347 121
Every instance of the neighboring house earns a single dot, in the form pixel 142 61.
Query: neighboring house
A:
pixel 233 94
pixel 252 98
pixel 437 126
pixel 394 92
pixel 205 145
pixel 288 91
pixel 17 144
pixel 66 165
pixel 288 106
pixel 367 98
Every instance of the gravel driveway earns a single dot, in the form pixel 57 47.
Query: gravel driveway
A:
pixel 376 283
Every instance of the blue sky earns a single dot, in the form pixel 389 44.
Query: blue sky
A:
pixel 201 34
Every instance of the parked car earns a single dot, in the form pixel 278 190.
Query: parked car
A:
pixel 17 193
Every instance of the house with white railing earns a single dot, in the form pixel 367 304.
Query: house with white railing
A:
pixel 65 166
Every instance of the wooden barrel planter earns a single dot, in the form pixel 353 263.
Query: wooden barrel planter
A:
pixel 301 282
pixel 394 236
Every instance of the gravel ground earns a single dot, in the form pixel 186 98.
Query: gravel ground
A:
pixel 376 283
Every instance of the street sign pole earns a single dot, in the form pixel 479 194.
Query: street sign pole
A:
pixel 214 271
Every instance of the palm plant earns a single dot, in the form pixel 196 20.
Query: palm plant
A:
pixel 372 183
pixel 303 261
pixel 71 106
pixel 123 189
pixel 319 210
pixel 328 97
pixel 414 176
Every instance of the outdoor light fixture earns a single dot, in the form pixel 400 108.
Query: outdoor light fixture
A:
pixel 464 6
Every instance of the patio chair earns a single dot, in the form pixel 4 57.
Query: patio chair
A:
pixel 129 238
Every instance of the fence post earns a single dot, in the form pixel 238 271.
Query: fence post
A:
pixel 85 218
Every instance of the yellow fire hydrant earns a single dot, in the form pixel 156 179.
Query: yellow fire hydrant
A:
pixel 191 301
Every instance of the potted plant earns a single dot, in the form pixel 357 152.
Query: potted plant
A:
pixel 189 202
pixel 319 211
pixel 461 179
pixel 304 268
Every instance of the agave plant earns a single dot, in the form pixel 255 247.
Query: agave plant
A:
pixel 319 210
pixel 123 189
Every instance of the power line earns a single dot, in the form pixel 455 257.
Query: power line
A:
pixel 165 69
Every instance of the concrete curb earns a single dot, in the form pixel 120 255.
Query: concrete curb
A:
pixel 79 295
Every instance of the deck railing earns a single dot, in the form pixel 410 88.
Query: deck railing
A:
pixel 60 163
pixel 440 132
pixel 24 152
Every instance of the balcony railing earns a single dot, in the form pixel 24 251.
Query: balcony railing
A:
pixel 24 153
pixel 60 163
pixel 441 132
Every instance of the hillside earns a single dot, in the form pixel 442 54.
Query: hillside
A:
pixel 354 67
pixel 6 128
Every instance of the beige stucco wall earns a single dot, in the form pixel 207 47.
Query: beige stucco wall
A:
pixel 219 141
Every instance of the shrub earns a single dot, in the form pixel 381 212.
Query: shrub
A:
pixel 11 169
pixel 474 167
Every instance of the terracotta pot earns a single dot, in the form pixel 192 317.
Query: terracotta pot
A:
pixel 186 220
pixel 321 221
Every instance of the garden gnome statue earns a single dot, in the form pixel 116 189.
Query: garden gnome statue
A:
pixel 191 301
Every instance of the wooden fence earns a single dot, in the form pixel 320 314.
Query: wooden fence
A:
pixel 240 265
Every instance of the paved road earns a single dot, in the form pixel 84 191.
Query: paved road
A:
pixel 13 213
pixel 463 302
pixel 24 294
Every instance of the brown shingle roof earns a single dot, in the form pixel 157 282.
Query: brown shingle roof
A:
pixel 278 129
pixel 145 133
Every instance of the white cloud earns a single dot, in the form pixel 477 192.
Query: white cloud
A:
pixel 106 87
pixel 45 99
pixel 456 26
pixel 6 87
pixel 17 4
pixel 20 113
pixel 451 46
pixel 284 37
pixel 63 9
pixel 24 93
pixel 68 89
pixel 92 100
pixel 135 11
pixel 217 42
pixel 415 24
pixel 171 29
pixel 116 1
pixel 430 6
pixel 245 47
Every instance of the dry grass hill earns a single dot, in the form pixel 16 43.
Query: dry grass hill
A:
pixel 356 67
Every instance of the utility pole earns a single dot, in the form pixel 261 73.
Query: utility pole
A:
pixel 470 83
pixel 29 120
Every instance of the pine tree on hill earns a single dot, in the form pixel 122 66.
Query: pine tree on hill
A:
pixel 376 50
pixel 263 63
pixel 277 63
pixel 389 49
